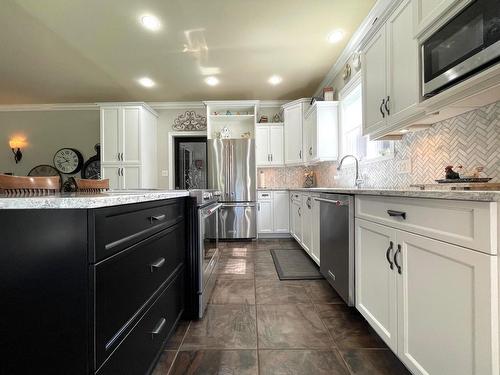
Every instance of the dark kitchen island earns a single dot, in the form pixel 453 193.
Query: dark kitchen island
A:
pixel 90 283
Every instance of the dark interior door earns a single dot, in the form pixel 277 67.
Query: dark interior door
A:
pixel 190 155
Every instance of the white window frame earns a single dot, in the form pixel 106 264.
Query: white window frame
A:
pixel 353 84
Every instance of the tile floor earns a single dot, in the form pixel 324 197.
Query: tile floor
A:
pixel 257 324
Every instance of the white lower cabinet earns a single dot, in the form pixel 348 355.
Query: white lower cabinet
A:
pixel 375 280
pixel 273 213
pixel 304 222
pixel 281 214
pixel 315 222
pixel 435 304
pixel 265 216
pixel 306 217
pixel 447 308
pixel 295 217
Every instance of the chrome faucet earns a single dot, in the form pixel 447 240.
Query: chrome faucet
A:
pixel 358 181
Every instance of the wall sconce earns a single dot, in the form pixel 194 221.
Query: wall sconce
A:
pixel 17 143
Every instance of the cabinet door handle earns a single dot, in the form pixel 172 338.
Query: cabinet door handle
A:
pixel 381 109
pixel 158 328
pixel 299 211
pixel 271 157
pixel 388 254
pixel 398 251
pixel 300 154
pixel 395 213
pixel 386 105
pixel 157 218
pixel 158 264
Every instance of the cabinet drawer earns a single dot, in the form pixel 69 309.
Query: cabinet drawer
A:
pixel 465 223
pixel 137 353
pixel 125 281
pixel 265 195
pixel 118 227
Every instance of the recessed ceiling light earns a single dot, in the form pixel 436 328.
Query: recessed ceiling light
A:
pixel 212 81
pixel 151 22
pixel 335 36
pixel 146 82
pixel 404 131
pixel 275 80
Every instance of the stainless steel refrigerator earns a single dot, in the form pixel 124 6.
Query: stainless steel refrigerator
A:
pixel 231 170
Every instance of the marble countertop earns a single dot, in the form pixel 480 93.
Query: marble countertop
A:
pixel 85 201
pixel 467 195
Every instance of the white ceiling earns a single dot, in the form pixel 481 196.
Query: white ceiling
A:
pixel 61 51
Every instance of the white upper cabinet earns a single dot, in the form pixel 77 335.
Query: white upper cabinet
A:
pixel 111 130
pixel 390 72
pixel 374 83
pixel 403 92
pixel 128 145
pixel 426 12
pixel 131 135
pixel 321 132
pixel 269 145
pixel 262 140
pixel 294 117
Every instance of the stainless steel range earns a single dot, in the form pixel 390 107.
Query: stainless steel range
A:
pixel 205 252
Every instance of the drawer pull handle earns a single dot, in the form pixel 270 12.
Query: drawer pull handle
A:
pixel 157 218
pixel 388 255
pixel 397 214
pixel 158 264
pixel 398 251
pixel 158 328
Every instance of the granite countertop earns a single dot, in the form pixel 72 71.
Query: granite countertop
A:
pixel 467 195
pixel 84 201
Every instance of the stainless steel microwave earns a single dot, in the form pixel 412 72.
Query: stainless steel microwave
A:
pixel 465 45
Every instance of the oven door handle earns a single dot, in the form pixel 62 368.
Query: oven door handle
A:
pixel 238 205
pixel 211 210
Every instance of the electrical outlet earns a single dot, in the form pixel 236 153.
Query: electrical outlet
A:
pixel 404 166
pixel 164 173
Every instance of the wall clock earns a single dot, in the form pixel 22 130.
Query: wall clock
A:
pixel 44 170
pixel 92 167
pixel 68 160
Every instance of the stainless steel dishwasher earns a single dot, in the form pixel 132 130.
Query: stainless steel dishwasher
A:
pixel 337 243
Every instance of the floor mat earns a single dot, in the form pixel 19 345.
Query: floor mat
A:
pixel 295 264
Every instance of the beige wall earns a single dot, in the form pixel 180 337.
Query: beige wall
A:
pixel 46 132
pixel 166 118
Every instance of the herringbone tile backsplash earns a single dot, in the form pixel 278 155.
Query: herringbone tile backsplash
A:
pixel 470 140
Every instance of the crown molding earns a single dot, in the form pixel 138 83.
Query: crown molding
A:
pixel 297 101
pixel 128 104
pixel 371 24
pixel 49 107
pixel 272 103
pixel 176 105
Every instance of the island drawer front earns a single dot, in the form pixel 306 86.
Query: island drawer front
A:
pixel 118 227
pixel 127 280
pixel 469 224
pixel 137 353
